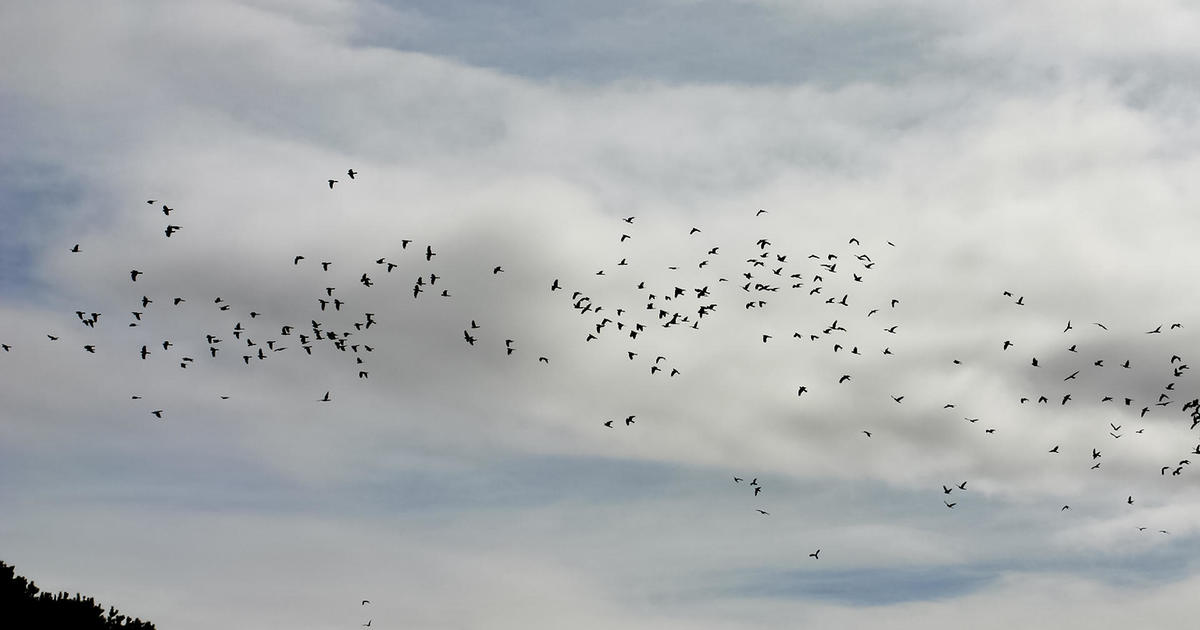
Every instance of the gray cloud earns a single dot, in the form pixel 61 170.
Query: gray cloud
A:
pixel 456 474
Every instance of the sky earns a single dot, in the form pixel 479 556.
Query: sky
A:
pixel 909 185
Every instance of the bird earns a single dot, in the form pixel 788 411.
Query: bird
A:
pixel 1054 450
pixel 157 413
pixel 763 512
pixel 325 398
pixel 365 602
pixel 331 183
pixel 867 433
pixel 75 249
pixel 133 275
pixel 815 554
pixel 351 173
pixel 429 253
pixel 950 505
pixel 171 229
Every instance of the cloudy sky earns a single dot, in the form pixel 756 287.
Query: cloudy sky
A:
pixel 968 151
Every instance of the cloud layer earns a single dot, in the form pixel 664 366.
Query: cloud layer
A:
pixel 967 155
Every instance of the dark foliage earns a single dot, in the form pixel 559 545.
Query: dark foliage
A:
pixel 22 606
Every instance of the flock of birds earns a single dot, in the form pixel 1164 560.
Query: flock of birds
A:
pixel 334 326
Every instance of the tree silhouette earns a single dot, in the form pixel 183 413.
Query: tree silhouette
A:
pixel 22 605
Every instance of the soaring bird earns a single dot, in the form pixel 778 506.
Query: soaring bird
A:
pixel 326 398
pixel 331 183
pixel 351 173
pixel 429 253
pixel 133 274
pixel 76 248
pixel 171 229
pixel 816 554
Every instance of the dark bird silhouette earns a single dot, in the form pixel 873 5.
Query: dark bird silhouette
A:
pixel 763 512
pixel 429 253
pixel 844 378
pixel 352 173
pixel 133 275
pixel 157 413
pixel 950 505
pixel 91 349
pixel 76 248
pixel 816 554
pixel 331 183
pixel 325 398
pixel 171 229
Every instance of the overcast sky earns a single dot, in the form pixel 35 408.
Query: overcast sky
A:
pixel 933 155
